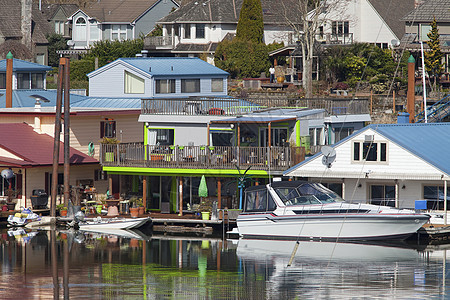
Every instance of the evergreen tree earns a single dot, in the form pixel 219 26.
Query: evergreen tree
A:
pixel 433 57
pixel 250 26
pixel 55 42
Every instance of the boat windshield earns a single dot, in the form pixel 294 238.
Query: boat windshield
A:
pixel 307 194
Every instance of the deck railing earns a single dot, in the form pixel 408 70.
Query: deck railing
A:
pixel 200 157
pixel 197 106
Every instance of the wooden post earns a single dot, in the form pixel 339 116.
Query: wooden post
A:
pixel 180 189
pixel 393 101
pixel 144 192
pixel 219 193
pixel 9 79
pixel 371 101
pixel 110 184
pixel 270 135
pixel 207 138
pixel 67 133
pixel 56 139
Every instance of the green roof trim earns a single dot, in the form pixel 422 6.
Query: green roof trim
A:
pixel 181 172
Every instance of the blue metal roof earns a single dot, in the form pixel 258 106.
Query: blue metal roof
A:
pixel 21 98
pixel 22 66
pixel 169 66
pixel 429 141
pixel 104 102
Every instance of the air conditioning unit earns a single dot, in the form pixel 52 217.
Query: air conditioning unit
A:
pixel 368 138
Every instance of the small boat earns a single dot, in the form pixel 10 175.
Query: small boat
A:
pixel 112 223
pixel 307 210
pixel 22 218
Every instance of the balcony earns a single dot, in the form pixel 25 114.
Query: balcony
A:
pixel 200 157
pixel 335 39
pixel 198 106
pixel 158 42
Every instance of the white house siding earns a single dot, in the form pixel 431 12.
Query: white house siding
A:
pixel 111 83
pixel 186 133
pixel 273 33
pixel 86 129
pixel 401 165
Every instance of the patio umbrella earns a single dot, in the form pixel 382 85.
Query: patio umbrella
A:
pixel 203 188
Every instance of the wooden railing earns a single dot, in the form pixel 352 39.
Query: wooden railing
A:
pixel 197 106
pixel 200 157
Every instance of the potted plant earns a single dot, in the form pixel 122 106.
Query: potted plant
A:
pixel 134 209
pixel 140 205
pixel 62 210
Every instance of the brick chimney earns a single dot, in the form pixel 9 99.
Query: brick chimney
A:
pixel 26 22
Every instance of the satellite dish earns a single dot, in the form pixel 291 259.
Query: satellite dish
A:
pixel 7 173
pixel 329 155
pixel 395 43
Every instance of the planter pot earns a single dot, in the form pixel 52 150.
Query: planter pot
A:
pixel 99 209
pixel 11 206
pixel 141 210
pixel 5 207
pixel 134 212
pixel 280 79
pixel 205 215
pixel 63 213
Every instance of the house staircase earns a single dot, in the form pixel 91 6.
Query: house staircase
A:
pixel 435 113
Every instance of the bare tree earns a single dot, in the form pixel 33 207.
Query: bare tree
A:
pixel 305 17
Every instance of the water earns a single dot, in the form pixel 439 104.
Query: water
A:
pixel 134 265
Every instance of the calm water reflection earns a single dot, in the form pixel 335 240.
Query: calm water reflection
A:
pixel 133 265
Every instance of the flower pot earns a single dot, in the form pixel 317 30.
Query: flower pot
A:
pixel 280 79
pixel 141 210
pixel 11 206
pixel 5 207
pixel 205 215
pixel 63 213
pixel 99 208
pixel 134 212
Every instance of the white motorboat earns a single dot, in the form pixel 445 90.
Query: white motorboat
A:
pixel 99 223
pixel 299 210
pixel 22 218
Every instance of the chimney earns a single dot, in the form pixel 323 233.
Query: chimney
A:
pixel 9 79
pixel 26 22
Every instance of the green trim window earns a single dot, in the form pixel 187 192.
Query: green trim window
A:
pixel 190 85
pixel 160 136
pixel 217 85
pixel 165 86
pixel 370 151
pixel 134 84
pixel 279 136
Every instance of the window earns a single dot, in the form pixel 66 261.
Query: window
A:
pixel 119 32
pixel 217 85
pixel 369 151
pixel 339 28
pixel 23 81
pixel 278 137
pixel 2 80
pixel 436 193
pixel 190 85
pixel 187 31
pixel 200 31
pixel 108 129
pixel 37 81
pixel 94 31
pixel 382 195
pixel 80 29
pixel 222 137
pixel 259 201
pixel 341 133
pixel 134 84
pixel 161 136
pixel 165 86
pixel 40 58
pixel 335 187
pixel 59 27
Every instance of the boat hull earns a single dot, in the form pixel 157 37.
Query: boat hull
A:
pixel 342 226
pixel 113 224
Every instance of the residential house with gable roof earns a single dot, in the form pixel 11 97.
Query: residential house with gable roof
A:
pixel 390 164
pixel 197 27
pixel 116 20
pixel 23 30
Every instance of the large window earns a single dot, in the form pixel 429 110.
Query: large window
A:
pixel 434 195
pixel 134 84
pixel 187 31
pixel 222 137
pixel 341 133
pixel 278 137
pixel 37 80
pixel 369 151
pixel 23 81
pixel 59 27
pixel 108 129
pixel 190 85
pixel 339 28
pixel 163 136
pixel 382 195
pixel 80 29
pixel 217 85
pixel 165 86
pixel 119 32
pixel 200 31
pixel 2 80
